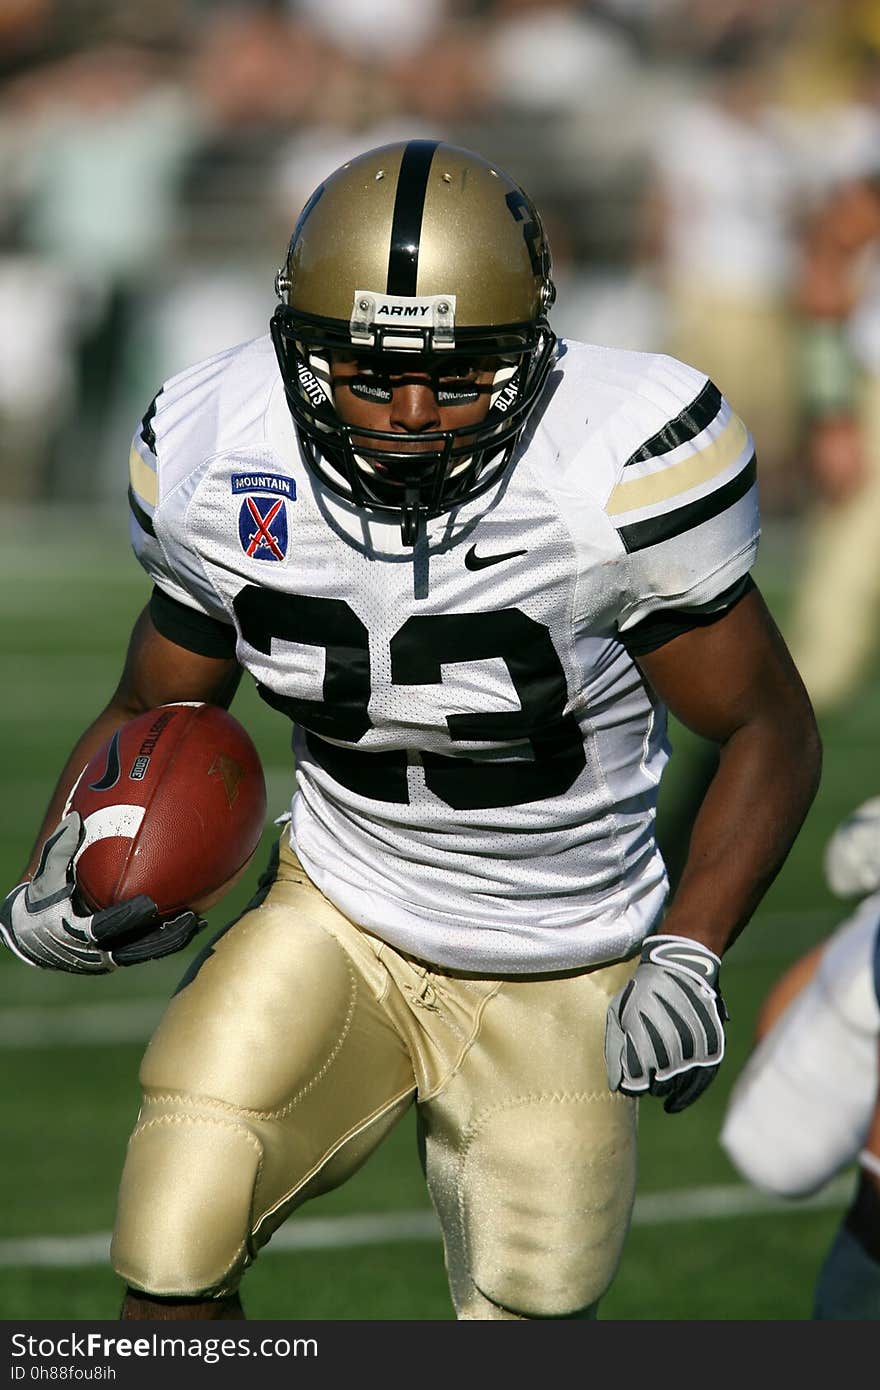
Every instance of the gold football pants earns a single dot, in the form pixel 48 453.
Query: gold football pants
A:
pixel 298 1040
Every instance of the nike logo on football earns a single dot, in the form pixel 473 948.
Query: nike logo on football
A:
pixel 473 561
pixel 110 775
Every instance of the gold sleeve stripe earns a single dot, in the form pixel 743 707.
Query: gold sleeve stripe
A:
pixel 681 477
pixel 144 481
pixel 665 526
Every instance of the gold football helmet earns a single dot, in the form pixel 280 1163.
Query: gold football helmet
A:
pixel 416 247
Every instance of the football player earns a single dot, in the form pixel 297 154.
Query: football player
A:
pixel 807 1103
pixel 473 566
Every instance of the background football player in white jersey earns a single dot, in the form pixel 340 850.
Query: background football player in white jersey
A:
pixel 473 566
pixel 807 1103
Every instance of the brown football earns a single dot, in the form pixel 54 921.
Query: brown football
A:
pixel 174 805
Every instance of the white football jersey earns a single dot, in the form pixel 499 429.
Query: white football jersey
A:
pixel 477 754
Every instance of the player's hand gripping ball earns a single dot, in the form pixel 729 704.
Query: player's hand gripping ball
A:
pixel 161 822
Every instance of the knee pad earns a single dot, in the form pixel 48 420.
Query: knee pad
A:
pixel 185 1202
pixel 545 1216
pixel 475 1307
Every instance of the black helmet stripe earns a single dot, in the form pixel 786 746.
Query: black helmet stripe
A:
pixel 409 206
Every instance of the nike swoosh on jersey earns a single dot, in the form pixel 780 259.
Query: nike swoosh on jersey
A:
pixel 473 561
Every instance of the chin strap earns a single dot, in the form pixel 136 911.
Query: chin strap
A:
pixel 410 516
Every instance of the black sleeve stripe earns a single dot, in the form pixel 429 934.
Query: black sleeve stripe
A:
pixel 691 422
pixel 656 529
pixel 661 627
pixel 186 627
pixel 148 434
pixel 144 521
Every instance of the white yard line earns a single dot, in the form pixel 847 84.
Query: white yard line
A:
pixel 128 1020
pixel 334 1232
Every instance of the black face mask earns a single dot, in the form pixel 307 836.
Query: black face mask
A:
pixel 452 466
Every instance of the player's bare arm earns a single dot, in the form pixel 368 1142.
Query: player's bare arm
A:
pixel 734 682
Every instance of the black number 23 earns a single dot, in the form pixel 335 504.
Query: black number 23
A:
pixel 418 651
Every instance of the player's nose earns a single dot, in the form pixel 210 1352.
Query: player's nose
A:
pixel 414 407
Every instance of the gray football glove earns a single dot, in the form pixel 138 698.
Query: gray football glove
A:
pixel 664 1031
pixel 41 924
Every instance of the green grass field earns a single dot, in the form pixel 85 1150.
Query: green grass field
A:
pixel 69 591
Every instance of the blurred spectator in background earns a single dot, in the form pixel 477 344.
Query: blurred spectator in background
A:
pixel 102 136
pixel 834 626
pixel 378 31
pixel 253 76
pixel 721 223
pixel 561 78
pixel 551 56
